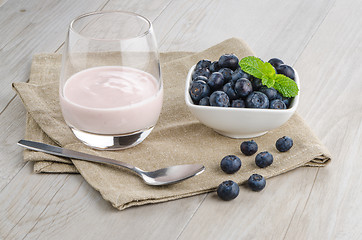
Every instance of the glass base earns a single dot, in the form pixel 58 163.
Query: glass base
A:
pixel 111 142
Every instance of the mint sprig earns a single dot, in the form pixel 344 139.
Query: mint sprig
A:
pixel 265 71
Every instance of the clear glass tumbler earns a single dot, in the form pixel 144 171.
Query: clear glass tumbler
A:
pixel 111 88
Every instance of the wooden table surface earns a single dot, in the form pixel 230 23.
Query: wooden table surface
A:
pixel 320 38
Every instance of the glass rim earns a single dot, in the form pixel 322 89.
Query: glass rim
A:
pixel 71 28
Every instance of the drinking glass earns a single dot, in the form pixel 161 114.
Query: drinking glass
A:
pixel 110 83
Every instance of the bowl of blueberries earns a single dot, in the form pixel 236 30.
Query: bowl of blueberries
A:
pixel 242 98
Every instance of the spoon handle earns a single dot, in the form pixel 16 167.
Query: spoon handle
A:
pixel 62 152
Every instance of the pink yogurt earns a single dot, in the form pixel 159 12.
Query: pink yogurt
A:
pixel 111 100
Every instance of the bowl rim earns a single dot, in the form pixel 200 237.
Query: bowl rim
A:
pixel 189 102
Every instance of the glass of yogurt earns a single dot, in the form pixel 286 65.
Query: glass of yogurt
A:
pixel 110 83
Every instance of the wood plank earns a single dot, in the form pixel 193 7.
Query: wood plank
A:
pixel 28 27
pixel 25 199
pixel 57 206
pixel 307 203
pixel 37 206
pixel 17 43
pixel 12 129
pixel 252 215
pixel 332 73
pixel 84 208
pixel 2 2
pixel 274 41
pixel 272 29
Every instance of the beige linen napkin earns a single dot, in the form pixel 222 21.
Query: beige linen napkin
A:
pixel 178 138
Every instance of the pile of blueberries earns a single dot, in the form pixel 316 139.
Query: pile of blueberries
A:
pixel 230 164
pixel 222 83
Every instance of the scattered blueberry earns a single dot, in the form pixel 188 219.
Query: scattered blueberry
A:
pixel 219 99
pixel 286 70
pixel 227 73
pixel 275 62
pixel 229 61
pixel 249 147
pixel 271 93
pixel 230 164
pixel 216 81
pixel 257 100
pixel 204 101
pixel 199 89
pixel 263 159
pixel 238 103
pixel 243 87
pixel 277 104
pixel 201 72
pixel 256 182
pixel 230 91
pixel 203 64
pixel 228 190
pixel 214 66
pixel 283 144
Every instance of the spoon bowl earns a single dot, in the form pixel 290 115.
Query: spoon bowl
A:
pixel 172 174
pixel 163 176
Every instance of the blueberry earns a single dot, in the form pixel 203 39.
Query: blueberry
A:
pixel 230 91
pixel 257 100
pixel 238 103
pixel 286 70
pixel 264 159
pixel 271 93
pixel 199 89
pixel 203 64
pixel 230 164
pixel 286 100
pixel 283 144
pixel 201 72
pixel 219 99
pixel 277 104
pixel 240 74
pixel 243 87
pixel 216 81
pixel 214 66
pixel 204 101
pixel 279 96
pixel 256 182
pixel 256 82
pixel 275 62
pixel 228 190
pixel 249 147
pixel 229 61
pixel 203 78
pixel 227 73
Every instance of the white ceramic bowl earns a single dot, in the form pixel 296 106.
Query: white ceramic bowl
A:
pixel 240 122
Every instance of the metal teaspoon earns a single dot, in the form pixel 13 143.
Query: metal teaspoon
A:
pixel 163 176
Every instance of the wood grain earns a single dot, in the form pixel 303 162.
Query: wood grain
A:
pixel 322 39
pixel 12 129
pixel 332 72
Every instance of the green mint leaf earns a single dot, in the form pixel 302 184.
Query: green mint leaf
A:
pixel 268 69
pixel 268 81
pixel 259 69
pixel 266 72
pixel 286 86
pixel 253 66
